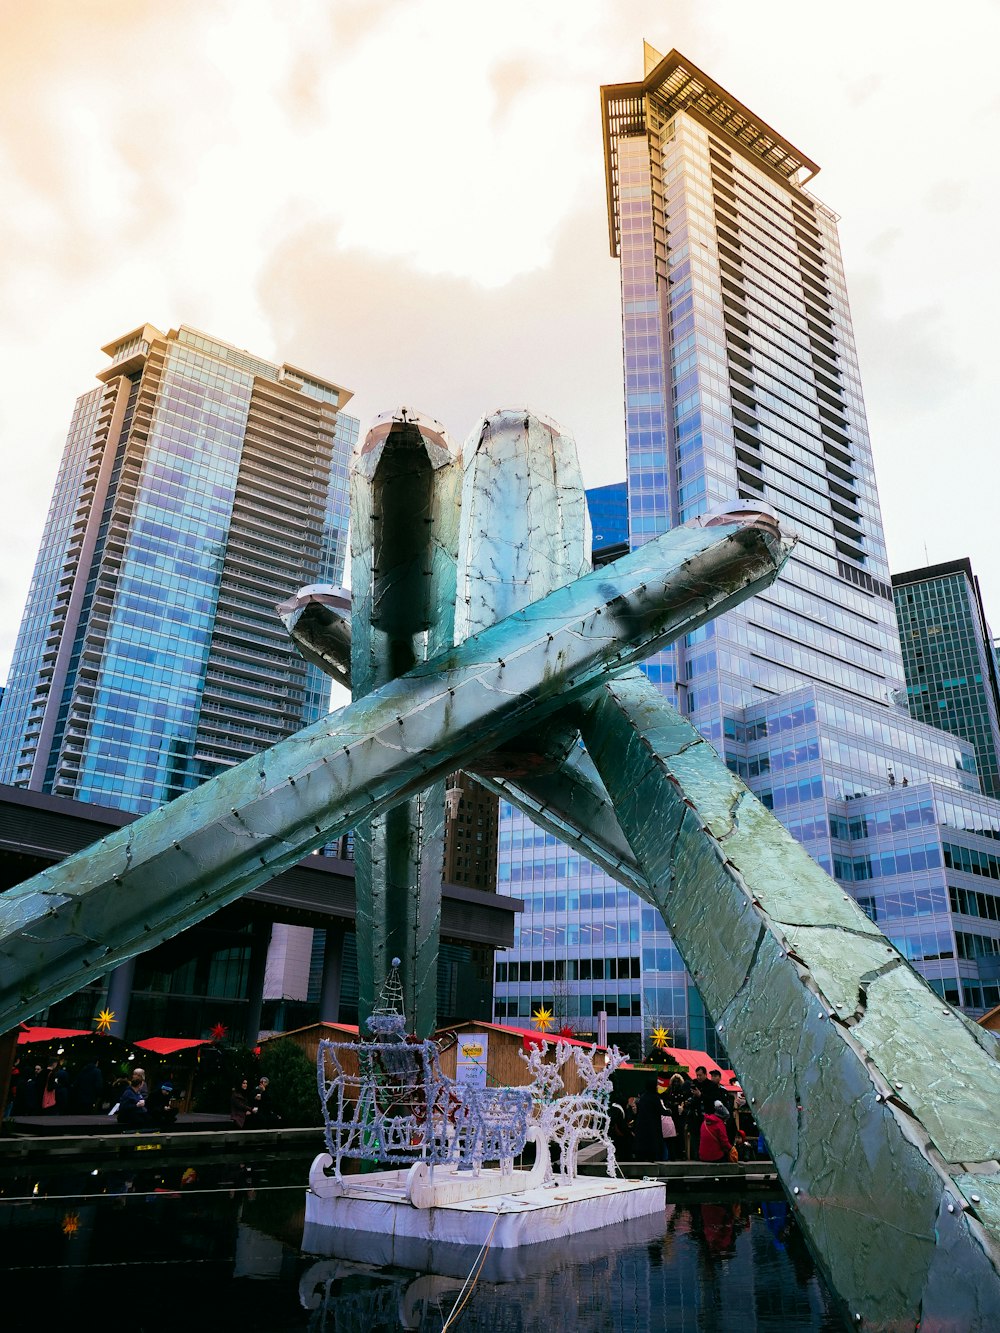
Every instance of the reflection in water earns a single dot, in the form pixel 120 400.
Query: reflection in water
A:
pixel 706 1267
pixel 231 1254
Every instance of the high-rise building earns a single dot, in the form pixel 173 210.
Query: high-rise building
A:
pixel 199 486
pixel 950 660
pixel 742 382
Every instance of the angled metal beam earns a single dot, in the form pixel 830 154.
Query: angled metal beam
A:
pixel 878 1100
pixel 172 868
pixel 572 804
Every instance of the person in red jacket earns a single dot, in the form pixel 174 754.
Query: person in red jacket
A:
pixel 714 1144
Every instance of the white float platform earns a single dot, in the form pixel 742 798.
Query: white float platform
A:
pixel 436 1264
pixel 376 1206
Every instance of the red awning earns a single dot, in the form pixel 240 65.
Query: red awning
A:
pixel 170 1045
pixel 690 1060
pixel 533 1037
pixel 34 1036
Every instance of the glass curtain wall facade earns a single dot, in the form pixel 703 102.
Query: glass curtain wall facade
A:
pixel 608 508
pixel 199 486
pixel 949 658
pixel 742 381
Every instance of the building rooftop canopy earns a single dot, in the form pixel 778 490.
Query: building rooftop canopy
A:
pixel 129 351
pixel 679 85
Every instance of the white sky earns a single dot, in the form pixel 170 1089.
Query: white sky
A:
pixel 408 196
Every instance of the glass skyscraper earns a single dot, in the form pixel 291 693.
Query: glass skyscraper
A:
pixel 199 486
pixel 742 381
pixel 949 658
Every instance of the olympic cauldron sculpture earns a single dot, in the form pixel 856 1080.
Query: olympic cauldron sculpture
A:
pixel 480 639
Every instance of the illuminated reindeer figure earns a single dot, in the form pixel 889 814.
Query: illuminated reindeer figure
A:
pixel 587 1114
pixel 568 1119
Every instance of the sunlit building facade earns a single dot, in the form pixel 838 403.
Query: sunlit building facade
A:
pixel 199 486
pixel 742 381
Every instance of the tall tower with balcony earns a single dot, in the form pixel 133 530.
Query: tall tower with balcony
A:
pixel 199 486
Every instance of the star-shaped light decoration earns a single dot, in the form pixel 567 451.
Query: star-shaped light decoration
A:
pixel 542 1018
pixel 566 1031
pixel 218 1033
pixel 661 1037
pixel 104 1020
pixel 70 1224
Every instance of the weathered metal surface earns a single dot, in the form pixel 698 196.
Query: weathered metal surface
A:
pixel 525 528
pixel 564 795
pixel 880 1104
pixel 526 531
pixel 572 804
pixel 878 1101
pixel 406 486
pixel 170 869
pixel 318 620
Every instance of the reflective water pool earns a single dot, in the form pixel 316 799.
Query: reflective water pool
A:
pixel 224 1249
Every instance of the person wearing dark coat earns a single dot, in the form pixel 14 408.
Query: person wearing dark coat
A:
pixel 61 1087
pixel 161 1106
pixel 132 1110
pixel 714 1144
pixel 240 1109
pixel 267 1114
pixel 672 1104
pixel 30 1092
pixel 87 1088
pixel 621 1133
pixel 648 1131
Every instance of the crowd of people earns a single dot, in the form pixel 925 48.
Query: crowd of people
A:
pixel 132 1101
pixel 684 1119
pixel 51 1089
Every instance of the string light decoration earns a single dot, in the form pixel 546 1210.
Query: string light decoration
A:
pixel 386 1100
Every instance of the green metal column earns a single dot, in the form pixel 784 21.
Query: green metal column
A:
pixel 405 494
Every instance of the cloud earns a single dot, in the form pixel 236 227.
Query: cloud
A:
pixel 511 79
pixel 549 339
pixel 947 195
pixel 908 362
